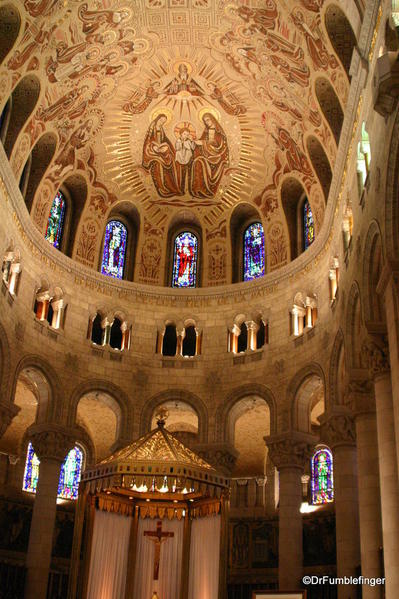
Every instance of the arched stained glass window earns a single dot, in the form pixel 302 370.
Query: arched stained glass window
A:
pixel 31 474
pixel 70 473
pixel 254 252
pixel 308 225
pixel 55 223
pixel 322 477
pixel 114 253
pixel 185 259
pixel 71 470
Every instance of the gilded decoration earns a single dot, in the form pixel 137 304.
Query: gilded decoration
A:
pixel 200 105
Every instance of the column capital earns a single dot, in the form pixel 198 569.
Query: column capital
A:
pixel 290 450
pixel 7 413
pixel 221 456
pixel 338 427
pixel 51 441
pixel 359 394
pixel 376 356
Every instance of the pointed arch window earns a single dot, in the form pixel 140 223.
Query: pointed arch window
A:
pixel 308 225
pixel 55 222
pixel 70 473
pixel 254 252
pixel 114 252
pixel 185 260
pixel 322 480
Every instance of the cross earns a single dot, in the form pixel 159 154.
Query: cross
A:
pixel 157 537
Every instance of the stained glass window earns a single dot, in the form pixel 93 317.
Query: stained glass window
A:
pixel 114 253
pixel 254 252
pixel 31 474
pixel 55 223
pixel 71 470
pixel 185 257
pixel 70 473
pixel 322 477
pixel 308 225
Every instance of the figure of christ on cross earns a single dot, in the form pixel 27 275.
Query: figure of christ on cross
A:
pixel 158 537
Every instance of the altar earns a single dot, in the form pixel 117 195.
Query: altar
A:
pixel 155 517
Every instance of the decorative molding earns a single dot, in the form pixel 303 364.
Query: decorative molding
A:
pixel 359 394
pixel 51 441
pixel 290 450
pixel 376 356
pixel 7 413
pixel 338 428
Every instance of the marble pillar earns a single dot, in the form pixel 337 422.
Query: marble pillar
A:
pixel 289 452
pixel 361 396
pixel 338 431
pixel 51 443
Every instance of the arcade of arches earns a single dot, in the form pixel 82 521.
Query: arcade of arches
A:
pixel 199 215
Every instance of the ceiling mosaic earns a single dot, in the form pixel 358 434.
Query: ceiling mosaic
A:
pixel 177 105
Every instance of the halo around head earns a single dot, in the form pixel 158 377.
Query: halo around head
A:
pixel 209 110
pixel 158 111
pixel 187 64
pixel 185 125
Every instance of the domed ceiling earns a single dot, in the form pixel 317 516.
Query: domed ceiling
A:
pixel 132 88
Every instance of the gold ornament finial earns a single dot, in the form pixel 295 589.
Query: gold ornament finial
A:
pixel 162 416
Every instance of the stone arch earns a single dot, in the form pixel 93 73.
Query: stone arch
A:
pixel 335 392
pixel 10 26
pixel 222 416
pixel 391 240
pixel 353 327
pixel 36 165
pixel 24 98
pixel 47 384
pixel 125 416
pixel 373 260
pixel 180 395
pixel 330 106
pixel 299 395
pixel 293 196
pixel 320 163
pixel 341 34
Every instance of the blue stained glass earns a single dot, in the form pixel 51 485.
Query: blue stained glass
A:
pixel 308 225
pixel 71 470
pixel 31 474
pixel 70 473
pixel 322 477
pixel 254 252
pixel 114 252
pixel 55 223
pixel 185 257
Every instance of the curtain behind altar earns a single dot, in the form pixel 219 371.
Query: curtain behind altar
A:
pixel 170 562
pixel 204 558
pixel 108 564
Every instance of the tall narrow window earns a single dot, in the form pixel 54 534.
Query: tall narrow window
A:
pixel 55 223
pixel 31 474
pixel 71 470
pixel 363 158
pixel 254 252
pixel 114 253
pixel 185 258
pixel 70 473
pixel 322 477
pixel 308 225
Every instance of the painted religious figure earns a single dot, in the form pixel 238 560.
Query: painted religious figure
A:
pixel 185 260
pixel 159 158
pixel 183 82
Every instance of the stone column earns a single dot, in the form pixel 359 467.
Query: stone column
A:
pixel 51 443
pixel 361 396
pixel 338 431
pixel 378 362
pixel 7 413
pixel 289 453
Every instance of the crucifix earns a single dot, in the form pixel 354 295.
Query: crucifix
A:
pixel 158 537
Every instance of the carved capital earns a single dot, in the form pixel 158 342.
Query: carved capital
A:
pixel 338 428
pixel 7 413
pixel 386 75
pixel 221 456
pixel 376 356
pixel 290 450
pixel 359 395
pixel 51 441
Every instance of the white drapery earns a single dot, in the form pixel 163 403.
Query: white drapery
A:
pixel 168 586
pixel 204 558
pixel 108 563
